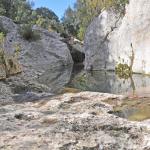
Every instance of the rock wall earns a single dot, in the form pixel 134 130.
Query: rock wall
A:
pixel 108 39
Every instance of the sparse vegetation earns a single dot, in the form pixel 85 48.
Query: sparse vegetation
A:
pixel 2 37
pixel 76 20
pixel 28 33
pixel 8 62
pixel 21 12
pixel 17 49
pixel 2 54
pixel 2 57
pixel 2 30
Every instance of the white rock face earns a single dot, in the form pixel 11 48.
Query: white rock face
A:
pixel 96 40
pixel 134 28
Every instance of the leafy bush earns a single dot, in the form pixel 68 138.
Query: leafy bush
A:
pixel 123 71
pixel 28 33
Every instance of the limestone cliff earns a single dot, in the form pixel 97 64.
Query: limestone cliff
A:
pixel 108 39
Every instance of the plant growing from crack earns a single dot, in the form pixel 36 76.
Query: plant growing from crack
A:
pixel 124 70
pixel 8 62
pixel 17 48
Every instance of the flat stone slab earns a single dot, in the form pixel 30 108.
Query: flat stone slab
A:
pixel 74 121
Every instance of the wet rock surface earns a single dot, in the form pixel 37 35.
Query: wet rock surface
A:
pixel 77 121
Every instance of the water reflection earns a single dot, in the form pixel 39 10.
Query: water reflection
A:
pixel 97 81
pixel 136 109
pixel 109 82
pixel 50 82
pixel 56 79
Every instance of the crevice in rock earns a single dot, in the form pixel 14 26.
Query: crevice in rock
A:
pixel 75 46
pixel 112 29
pixel 132 57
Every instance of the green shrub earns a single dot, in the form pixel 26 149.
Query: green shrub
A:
pixel 123 71
pixel 28 33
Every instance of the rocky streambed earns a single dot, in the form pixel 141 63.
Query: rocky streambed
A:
pixel 79 121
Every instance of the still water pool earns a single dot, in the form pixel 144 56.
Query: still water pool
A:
pixel 134 108
pixel 98 81
pixel 109 82
pixel 137 88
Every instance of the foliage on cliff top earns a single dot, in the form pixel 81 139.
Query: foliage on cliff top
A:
pixel 74 22
pixel 21 12
pixel 77 19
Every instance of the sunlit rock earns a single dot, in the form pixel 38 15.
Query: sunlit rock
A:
pixel 108 43
pixel 32 59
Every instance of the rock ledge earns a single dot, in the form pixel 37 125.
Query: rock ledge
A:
pixel 70 122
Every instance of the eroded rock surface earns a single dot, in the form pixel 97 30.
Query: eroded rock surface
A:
pixel 70 122
pixel 108 43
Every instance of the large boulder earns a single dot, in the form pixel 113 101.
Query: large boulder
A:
pixel 33 59
pixel 110 40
